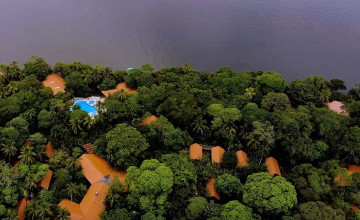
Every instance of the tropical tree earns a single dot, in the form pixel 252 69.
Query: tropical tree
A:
pixel 124 146
pixel 38 67
pixel 199 126
pixel 195 208
pixel 279 198
pixel 9 150
pixel 40 209
pixel 149 186
pixel 71 189
pixel 27 155
pixel 234 210
pixel 250 93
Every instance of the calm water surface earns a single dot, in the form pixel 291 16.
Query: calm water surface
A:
pixel 294 38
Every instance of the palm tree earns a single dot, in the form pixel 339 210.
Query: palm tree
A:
pixel 250 92
pixel 76 125
pixel 88 78
pixel 253 143
pixel 40 209
pixel 121 95
pixel 72 163
pixel 71 189
pixel 44 210
pixel 89 123
pixel 9 149
pixel 199 126
pixel 12 89
pixel 324 96
pixel 63 214
pixel 40 152
pixel 27 155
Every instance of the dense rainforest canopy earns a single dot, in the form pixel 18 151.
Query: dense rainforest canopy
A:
pixel 256 112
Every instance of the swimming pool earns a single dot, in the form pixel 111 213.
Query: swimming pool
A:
pixel 88 104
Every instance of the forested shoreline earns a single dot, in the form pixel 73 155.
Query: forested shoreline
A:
pixel 257 112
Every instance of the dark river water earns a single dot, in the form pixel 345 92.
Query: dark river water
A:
pixel 293 37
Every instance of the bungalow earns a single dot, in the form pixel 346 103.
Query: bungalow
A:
pixel 242 159
pixel 210 186
pixel 45 182
pixel 196 151
pixel 21 208
pixel 49 150
pixel 337 107
pixel 120 86
pixel 273 166
pixel 217 154
pixel 148 120
pixel 55 82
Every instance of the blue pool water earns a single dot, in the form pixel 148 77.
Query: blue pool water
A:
pixel 89 107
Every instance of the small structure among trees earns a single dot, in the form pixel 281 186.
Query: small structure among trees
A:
pixel 55 82
pixel 273 166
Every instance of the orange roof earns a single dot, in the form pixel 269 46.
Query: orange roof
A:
pixel 342 180
pixel 353 169
pixel 94 167
pixel 119 87
pixel 45 182
pixel 55 82
pixel 21 208
pixel 148 120
pixel 336 107
pixel 242 159
pixel 196 152
pixel 49 149
pixel 92 205
pixel 217 154
pixel 73 208
pixel 273 166
pixel 355 208
pixel 16 163
pixel 211 189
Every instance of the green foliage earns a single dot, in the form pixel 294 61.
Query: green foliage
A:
pixel 269 194
pixel 38 67
pixel 196 208
pixel 45 119
pixel 312 184
pixel 271 82
pixel 150 185
pixel 124 146
pixel 350 145
pixel 275 101
pixel 20 125
pixel 318 210
pixel 228 186
pixel 180 107
pixel 137 78
pixel 76 84
pixel 229 160
pixel 234 210
pixel 116 214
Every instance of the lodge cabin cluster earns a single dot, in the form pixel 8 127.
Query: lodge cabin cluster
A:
pixel 217 152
